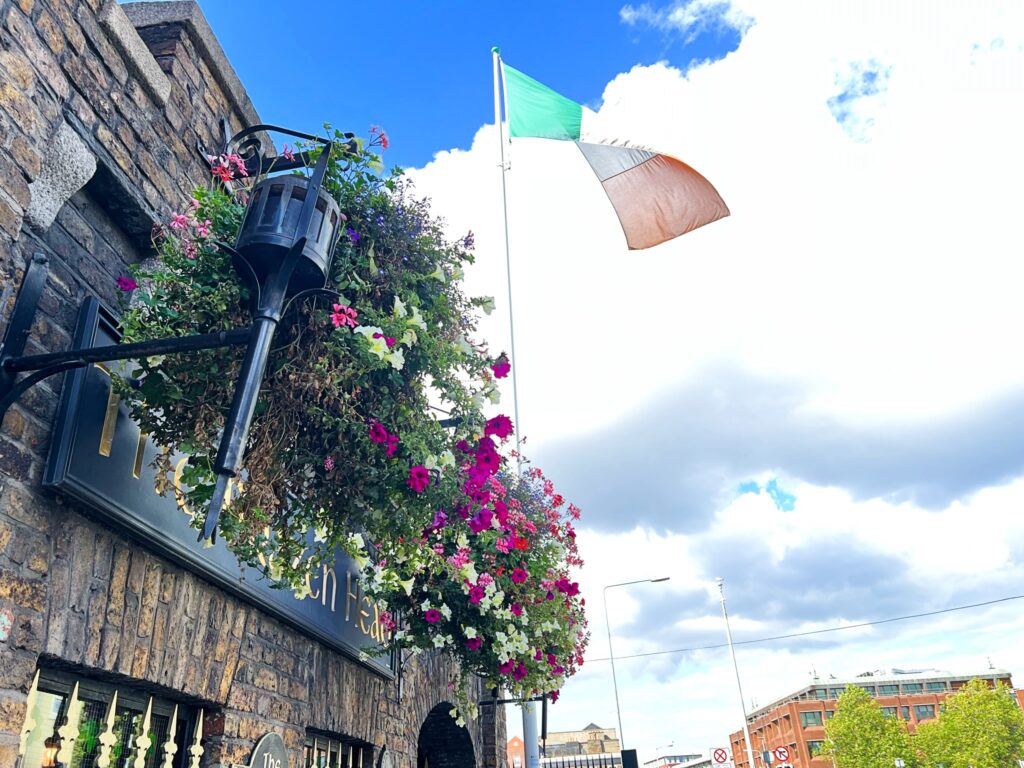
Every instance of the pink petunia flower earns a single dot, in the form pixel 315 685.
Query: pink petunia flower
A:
pixel 203 228
pixel 474 643
pixel 392 445
pixel 377 432
pixel 432 616
pixel 499 426
pixel 476 594
pixel 127 284
pixel 501 367
pixel 419 478
pixel 519 575
pixel 506 666
pixel 179 221
pixel 520 671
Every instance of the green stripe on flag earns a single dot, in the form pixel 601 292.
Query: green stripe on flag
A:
pixel 536 110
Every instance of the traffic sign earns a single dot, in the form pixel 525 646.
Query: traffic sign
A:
pixel 781 754
pixel 720 756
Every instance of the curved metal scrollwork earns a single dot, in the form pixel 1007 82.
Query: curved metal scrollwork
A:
pixel 251 144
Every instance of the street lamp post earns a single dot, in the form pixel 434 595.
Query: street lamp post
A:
pixel 611 654
pixel 743 706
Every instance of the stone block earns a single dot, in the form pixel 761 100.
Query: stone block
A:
pixel 68 166
pixel 135 51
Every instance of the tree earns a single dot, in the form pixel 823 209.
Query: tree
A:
pixel 859 735
pixel 979 727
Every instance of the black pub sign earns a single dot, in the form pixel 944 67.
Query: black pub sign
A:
pixel 100 457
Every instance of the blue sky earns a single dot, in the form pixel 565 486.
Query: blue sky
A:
pixel 811 398
pixel 423 70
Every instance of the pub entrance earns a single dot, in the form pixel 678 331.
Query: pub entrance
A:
pixel 442 743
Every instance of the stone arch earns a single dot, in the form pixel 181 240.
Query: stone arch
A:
pixel 442 743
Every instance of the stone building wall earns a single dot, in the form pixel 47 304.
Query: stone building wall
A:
pixel 102 107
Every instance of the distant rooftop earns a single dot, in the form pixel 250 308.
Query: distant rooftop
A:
pixel 824 688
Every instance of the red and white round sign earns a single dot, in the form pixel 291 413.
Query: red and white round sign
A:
pixel 720 756
pixel 782 754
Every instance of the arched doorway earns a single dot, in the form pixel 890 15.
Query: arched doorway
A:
pixel 442 743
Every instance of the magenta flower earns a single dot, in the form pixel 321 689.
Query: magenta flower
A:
pixel 476 594
pixel 127 284
pixel 488 461
pixel 377 432
pixel 520 671
pixel 344 316
pixel 419 478
pixel 501 367
pixel 481 521
pixel 474 643
pixel 389 340
pixel 499 426
pixel 506 666
pixel 517 609
pixel 519 575
pixel 432 616
pixel 392 446
pixel 287 153
pixel 179 221
pixel 329 463
pixel 203 228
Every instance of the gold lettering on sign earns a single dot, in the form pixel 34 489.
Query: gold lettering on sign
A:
pixel 110 425
pixel 140 452
pixel 329 573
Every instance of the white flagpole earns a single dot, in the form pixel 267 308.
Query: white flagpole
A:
pixel 496 56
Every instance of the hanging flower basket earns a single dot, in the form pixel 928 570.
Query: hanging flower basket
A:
pixel 369 432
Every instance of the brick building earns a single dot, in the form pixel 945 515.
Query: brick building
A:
pixel 797 721
pixel 102 108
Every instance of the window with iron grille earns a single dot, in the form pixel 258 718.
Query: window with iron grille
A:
pixel 333 751
pixel 76 722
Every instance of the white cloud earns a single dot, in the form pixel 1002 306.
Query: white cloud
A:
pixel 882 276
pixel 688 18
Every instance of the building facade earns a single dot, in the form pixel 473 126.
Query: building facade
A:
pixel 797 722
pixel 120 644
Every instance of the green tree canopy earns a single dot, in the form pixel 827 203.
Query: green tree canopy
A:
pixel 860 736
pixel 979 727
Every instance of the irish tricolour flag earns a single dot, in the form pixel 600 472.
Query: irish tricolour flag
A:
pixel 656 197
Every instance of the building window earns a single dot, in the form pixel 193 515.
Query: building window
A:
pixel 889 711
pixel 888 690
pixel 912 687
pixel 821 693
pixel 936 686
pixel 814 747
pixel 905 713
pixel 70 724
pixel 325 751
pixel 810 718
pixel 924 711
pixel 829 714
pixel 870 689
pixel 833 693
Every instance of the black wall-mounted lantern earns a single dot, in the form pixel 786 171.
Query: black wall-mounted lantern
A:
pixel 284 248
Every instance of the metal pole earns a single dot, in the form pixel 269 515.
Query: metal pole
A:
pixel 611 657
pixel 496 56
pixel 735 666
pixel 531 741
pixel 611 654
